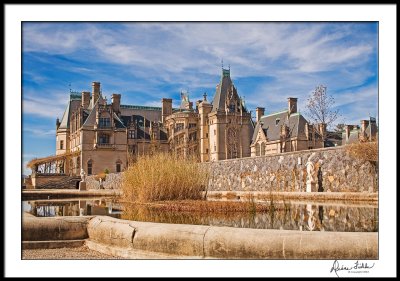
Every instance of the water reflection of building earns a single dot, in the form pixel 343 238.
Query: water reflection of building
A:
pixel 49 208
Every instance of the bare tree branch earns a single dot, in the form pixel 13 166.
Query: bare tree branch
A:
pixel 320 107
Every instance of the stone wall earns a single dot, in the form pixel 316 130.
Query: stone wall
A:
pixel 281 172
pixel 285 172
pixel 112 181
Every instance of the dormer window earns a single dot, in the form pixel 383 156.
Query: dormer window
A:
pixel 277 120
pixel 104 122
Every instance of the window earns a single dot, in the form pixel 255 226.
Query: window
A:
pixel 215 148
pixel 118 167
pixel 103 138
pixel 206 135
pixel 132 149
pixel 207 150
pixel 277 120
pixel 232 108
pixel 179 127
pixel 192 136
pixel 215 132
pixel 131 134
pixel 263 149
pixel 89 167
pixel 61 144
pixel 257 149
pixel 192 125
pixel 78 162
pixel 104 122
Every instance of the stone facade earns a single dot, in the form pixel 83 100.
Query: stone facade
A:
pixel 287 172
pixel 285 131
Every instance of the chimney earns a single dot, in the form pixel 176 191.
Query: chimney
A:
pixel 95 91
pixel 166 108
pixel 116 102
pixel 197 105
pixel 347 129
pixel 322 130
pixel 373 128
pixel 364 125
pixel 85 99
pixel 259 113
pixel 292 104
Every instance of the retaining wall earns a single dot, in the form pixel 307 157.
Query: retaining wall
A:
pixel 286 172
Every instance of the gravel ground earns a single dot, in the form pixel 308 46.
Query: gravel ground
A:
pixel 80 253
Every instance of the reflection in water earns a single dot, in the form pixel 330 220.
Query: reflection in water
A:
pixel 285 216
pixel 78 207
pixel 305 217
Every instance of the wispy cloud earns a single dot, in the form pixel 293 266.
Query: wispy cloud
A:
pixel 148 61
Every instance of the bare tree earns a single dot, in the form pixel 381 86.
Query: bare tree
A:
pixel 320 107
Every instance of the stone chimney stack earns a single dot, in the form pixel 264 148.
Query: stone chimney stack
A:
pixel 364 125
pixel 259 113
pixel 348 129
pixel 166 108
pixel 95 91
pixel 292 105
pixel 116 102
pixel 85 99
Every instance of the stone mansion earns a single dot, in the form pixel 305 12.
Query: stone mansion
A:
pixel 95 134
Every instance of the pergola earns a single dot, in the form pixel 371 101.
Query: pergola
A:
pixel 54 164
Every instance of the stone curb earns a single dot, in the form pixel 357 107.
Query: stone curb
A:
pixel 130 239
pixel 54 228
pixel 232 243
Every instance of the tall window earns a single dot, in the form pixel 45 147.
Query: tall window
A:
pixel 131 134
pixel 263 149
pixel 215 132
pixel 61 144
pixel 89 167
pixel 104 122
pixel 104 138
pixel 257 149
pixel 118 167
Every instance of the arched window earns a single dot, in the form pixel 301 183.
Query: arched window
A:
pixel 263 149
pixel 118 166
pixel 90 167
pixel 257 149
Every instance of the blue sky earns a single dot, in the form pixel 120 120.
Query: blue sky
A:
pixel 148 61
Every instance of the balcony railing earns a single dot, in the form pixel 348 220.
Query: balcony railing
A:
pixel 104 146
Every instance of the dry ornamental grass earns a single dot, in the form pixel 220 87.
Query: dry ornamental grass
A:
pixel 163 177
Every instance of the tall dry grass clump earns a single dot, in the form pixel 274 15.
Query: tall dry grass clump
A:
pixel 366 151
pixel 163 176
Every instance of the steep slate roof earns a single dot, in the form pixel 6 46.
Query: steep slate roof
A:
pixel 222 89
pixel 272 130
pixel 73 103
pixel 64 124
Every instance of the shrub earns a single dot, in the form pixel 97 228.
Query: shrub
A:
pixel 163 176
pixel 366 151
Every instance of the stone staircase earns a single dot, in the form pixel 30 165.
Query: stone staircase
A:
pixel 69 183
